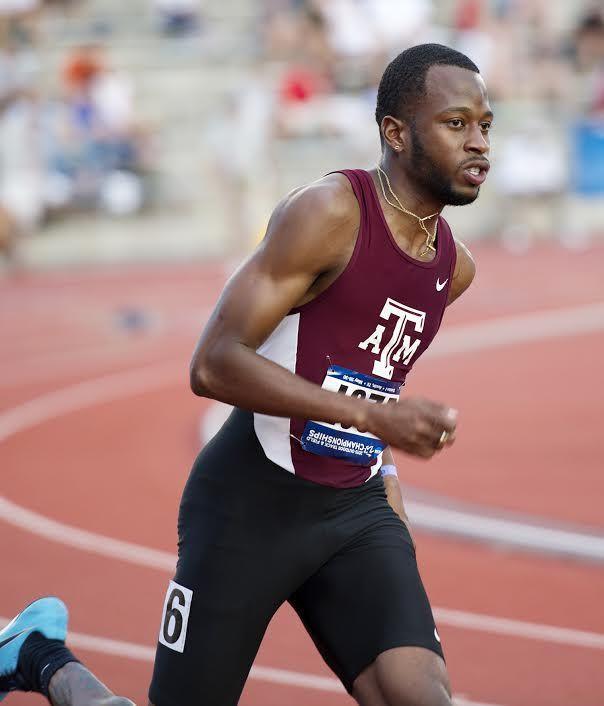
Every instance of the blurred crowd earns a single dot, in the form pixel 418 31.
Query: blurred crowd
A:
pixel 77 142
pixel 545 57
pixel 70 142
pixel 543 62
pixel 536 51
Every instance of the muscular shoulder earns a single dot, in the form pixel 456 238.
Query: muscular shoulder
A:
pixel 465 270
pixel 314 223
pixel 329 201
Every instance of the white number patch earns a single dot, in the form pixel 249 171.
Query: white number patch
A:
pixel 173 630
pixel 343 442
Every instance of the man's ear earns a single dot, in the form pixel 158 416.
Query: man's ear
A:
pixel 395 133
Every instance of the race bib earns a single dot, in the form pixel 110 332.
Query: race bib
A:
pixel 349 443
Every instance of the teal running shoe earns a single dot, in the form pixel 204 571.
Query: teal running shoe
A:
pixel 48 616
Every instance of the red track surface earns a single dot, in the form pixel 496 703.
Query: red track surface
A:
pixel 529 441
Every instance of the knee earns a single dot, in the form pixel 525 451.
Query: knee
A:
pixel 414 691
pixel 421 692
pixel 404 678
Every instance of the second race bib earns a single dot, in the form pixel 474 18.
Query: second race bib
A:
pixel 349 443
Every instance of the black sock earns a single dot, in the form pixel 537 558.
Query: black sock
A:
pixel 39 659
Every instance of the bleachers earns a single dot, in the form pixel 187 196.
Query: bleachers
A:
pixel 179 85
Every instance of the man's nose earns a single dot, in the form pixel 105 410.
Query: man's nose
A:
pixel 477 141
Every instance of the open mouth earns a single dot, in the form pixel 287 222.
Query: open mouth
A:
pixel 475 175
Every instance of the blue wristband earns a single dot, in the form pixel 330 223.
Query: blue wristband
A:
pixel 389 470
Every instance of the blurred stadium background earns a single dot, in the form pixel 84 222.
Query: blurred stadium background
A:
pixel 143 144
pixel 168 128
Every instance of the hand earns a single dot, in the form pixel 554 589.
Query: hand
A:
pixel 415 426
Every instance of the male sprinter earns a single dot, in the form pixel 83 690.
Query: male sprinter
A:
pixel 311 342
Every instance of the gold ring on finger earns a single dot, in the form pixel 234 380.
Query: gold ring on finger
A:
pixel 443 438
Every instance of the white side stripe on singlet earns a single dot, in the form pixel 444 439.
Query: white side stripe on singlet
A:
pixel 273 432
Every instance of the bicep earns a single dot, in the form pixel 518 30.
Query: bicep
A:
pixel 255 300
pixel 305 238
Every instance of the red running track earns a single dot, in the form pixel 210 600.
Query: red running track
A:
pixel 529 441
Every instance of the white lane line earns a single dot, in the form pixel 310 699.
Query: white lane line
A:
pixel 74 398
pixel 73 362
pixel 464 523
pixel 497 530
pixel 152 558
pixel 508 330
pixel 71 536
pixel 122 347
pixel 289 678
pixel 165 561
pixel 519 628
pixel 521 328
pixel 142 653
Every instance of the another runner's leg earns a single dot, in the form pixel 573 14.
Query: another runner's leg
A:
pixel 74 685
pixel 33 657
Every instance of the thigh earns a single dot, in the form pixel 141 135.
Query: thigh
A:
pixel 367 599
pixel 206 649
pixel 240 556
pixel 215 613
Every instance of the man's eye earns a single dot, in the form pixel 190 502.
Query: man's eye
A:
pixel 485 127
pixel 456 123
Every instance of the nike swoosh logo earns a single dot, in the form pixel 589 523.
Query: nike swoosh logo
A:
pixel 13 637
pixel 439 286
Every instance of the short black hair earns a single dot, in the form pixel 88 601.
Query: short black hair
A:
pixel 404 80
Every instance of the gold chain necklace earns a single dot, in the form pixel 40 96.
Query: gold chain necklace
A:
pixel 430 237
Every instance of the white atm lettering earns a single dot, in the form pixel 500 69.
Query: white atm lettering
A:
pixel 407 350
pixel 375 340
pixel 400 346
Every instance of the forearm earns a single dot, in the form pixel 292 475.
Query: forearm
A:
pixel 236 374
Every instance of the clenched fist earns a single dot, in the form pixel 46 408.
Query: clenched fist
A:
pixel 419 427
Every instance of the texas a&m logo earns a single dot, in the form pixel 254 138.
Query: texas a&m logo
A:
pixel 400 346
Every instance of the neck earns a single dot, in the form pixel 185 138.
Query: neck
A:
pixel 408 231
pixel 411 195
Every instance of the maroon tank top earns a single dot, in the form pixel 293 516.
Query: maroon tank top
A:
pixel 361 336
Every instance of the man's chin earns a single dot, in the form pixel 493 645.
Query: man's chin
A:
pixel 459 198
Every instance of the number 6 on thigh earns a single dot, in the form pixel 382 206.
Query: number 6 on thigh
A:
pixel 173 630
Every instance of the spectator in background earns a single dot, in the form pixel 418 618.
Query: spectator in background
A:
pixel 248 114
pixel 400 24
pixel 476 35
pixel 335 51
pixel 21 173
pixel 81 67
pixel 309 89
pixel 178 18
pixel 587 133
pixel 589 63
pixel 18 21
pixel 307 81
pixel 95 151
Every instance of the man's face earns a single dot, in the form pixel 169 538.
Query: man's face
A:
pixel 450 136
